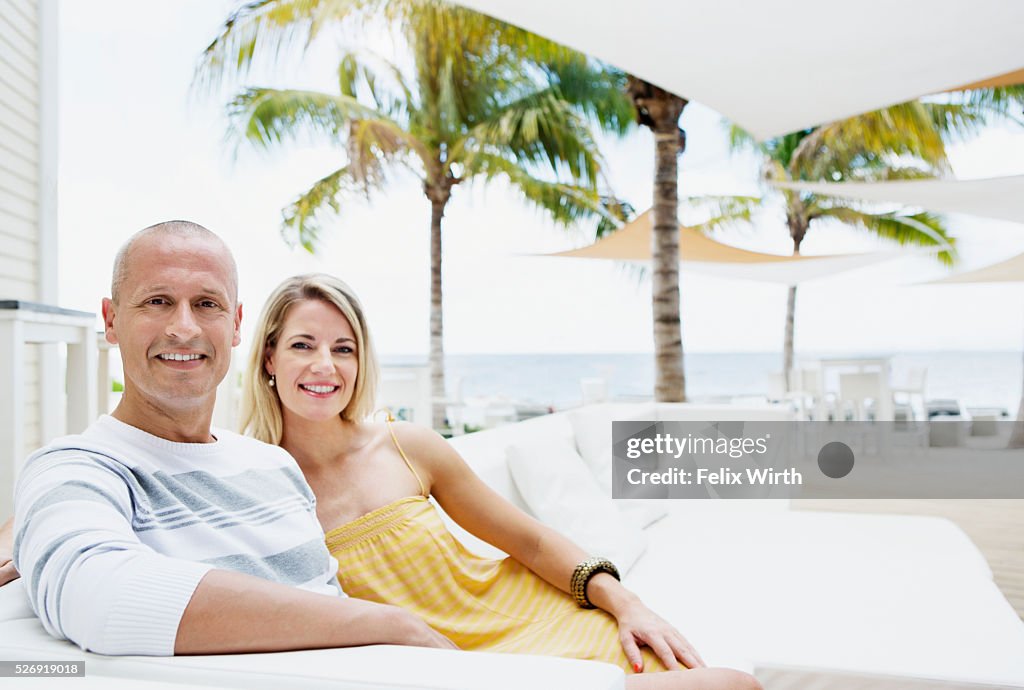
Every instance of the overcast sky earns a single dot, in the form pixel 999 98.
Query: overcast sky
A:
pixel 137 146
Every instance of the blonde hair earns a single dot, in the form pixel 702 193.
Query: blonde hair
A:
pixel 261 407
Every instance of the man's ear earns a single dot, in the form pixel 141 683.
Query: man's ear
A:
pixel 109 332
pixel 238 326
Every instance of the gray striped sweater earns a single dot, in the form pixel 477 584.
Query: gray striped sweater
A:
pixel 115 528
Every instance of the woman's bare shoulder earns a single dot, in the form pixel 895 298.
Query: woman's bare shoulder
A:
pixel 421 444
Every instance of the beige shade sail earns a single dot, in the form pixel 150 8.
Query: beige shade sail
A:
pixel 773 67
pixel 701 254
pixel 1014 78
pixel 1009 271
pixel 995 197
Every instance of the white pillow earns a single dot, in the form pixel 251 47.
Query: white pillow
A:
pixel 561 493
pixel 592 428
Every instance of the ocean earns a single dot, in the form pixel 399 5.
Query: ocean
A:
pixel 977 379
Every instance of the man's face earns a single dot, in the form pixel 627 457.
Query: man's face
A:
pixel 176 320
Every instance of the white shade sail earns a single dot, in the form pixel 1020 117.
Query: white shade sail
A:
pixel 777 67
pixel 994 197
pixel 701 254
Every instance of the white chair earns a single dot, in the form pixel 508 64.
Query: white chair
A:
pixel 862 391
pixel 405 390
pixel 912 386
pixel 810 382
pixel 800 400
pixel 594 390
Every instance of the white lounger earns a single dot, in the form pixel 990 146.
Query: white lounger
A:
pixel 750 583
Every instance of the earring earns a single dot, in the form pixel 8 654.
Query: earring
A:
pixel 273 380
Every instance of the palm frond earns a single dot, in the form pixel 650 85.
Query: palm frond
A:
pixel 740 139
pixel 373 143
pixel 301 223
pixel 565 203
pixel 722 212
pixel 538 128
pixel 595 89
pixel 267 117
pixel 270 30
pixel 920 229
pixel 617 212
pixel 909 129
pixel 366 73
pixel 999 102
pixel 475 97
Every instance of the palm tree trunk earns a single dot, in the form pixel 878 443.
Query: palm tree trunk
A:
pixel 437 386
pixel 670 379
pixel 797 231
pixel 660 111
pixel 787 348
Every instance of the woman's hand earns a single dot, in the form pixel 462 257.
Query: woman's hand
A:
pixel 638 625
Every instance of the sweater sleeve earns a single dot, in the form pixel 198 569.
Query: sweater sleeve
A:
pixel 88 577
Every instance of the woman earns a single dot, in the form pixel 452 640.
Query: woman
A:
pixel 309 387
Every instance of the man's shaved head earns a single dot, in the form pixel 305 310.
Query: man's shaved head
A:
pixel 175 228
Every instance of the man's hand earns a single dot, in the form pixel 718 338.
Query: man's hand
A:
pixel 414 632
pixel 7 571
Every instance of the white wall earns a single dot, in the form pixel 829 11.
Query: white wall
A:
pixel 28 155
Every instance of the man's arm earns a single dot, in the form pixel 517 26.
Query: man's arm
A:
pixel 237 613
pixel 91 580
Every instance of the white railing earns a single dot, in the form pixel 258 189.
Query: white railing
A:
pixel 27 323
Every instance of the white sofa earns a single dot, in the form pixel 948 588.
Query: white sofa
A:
pixel 751 583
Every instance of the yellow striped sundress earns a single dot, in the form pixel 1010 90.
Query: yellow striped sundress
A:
pixel 402 554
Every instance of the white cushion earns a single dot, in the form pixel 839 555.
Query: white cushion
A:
pixel 382 667
pixel 562 494
pixel 592 429
pixel 14 602
pixel 856 593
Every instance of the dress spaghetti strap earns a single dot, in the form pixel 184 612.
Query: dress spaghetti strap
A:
pixel 389 419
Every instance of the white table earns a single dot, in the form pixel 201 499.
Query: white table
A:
pixel 23 323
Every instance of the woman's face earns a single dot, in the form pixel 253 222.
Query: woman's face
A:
pixel 315 361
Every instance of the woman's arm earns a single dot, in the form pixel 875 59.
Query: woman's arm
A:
pixel 486 514
pixel 7 570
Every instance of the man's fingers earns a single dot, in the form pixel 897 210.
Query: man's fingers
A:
pixel 8 573
pixel 633 656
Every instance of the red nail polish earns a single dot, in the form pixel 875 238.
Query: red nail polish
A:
pixel 636 668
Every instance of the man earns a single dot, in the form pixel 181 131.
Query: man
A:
pixel 150 534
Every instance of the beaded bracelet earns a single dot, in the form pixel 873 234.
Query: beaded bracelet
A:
pixel 582 574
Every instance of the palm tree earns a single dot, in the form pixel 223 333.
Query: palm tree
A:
pixel 660 111
pixel 479 102
pixel 905 141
